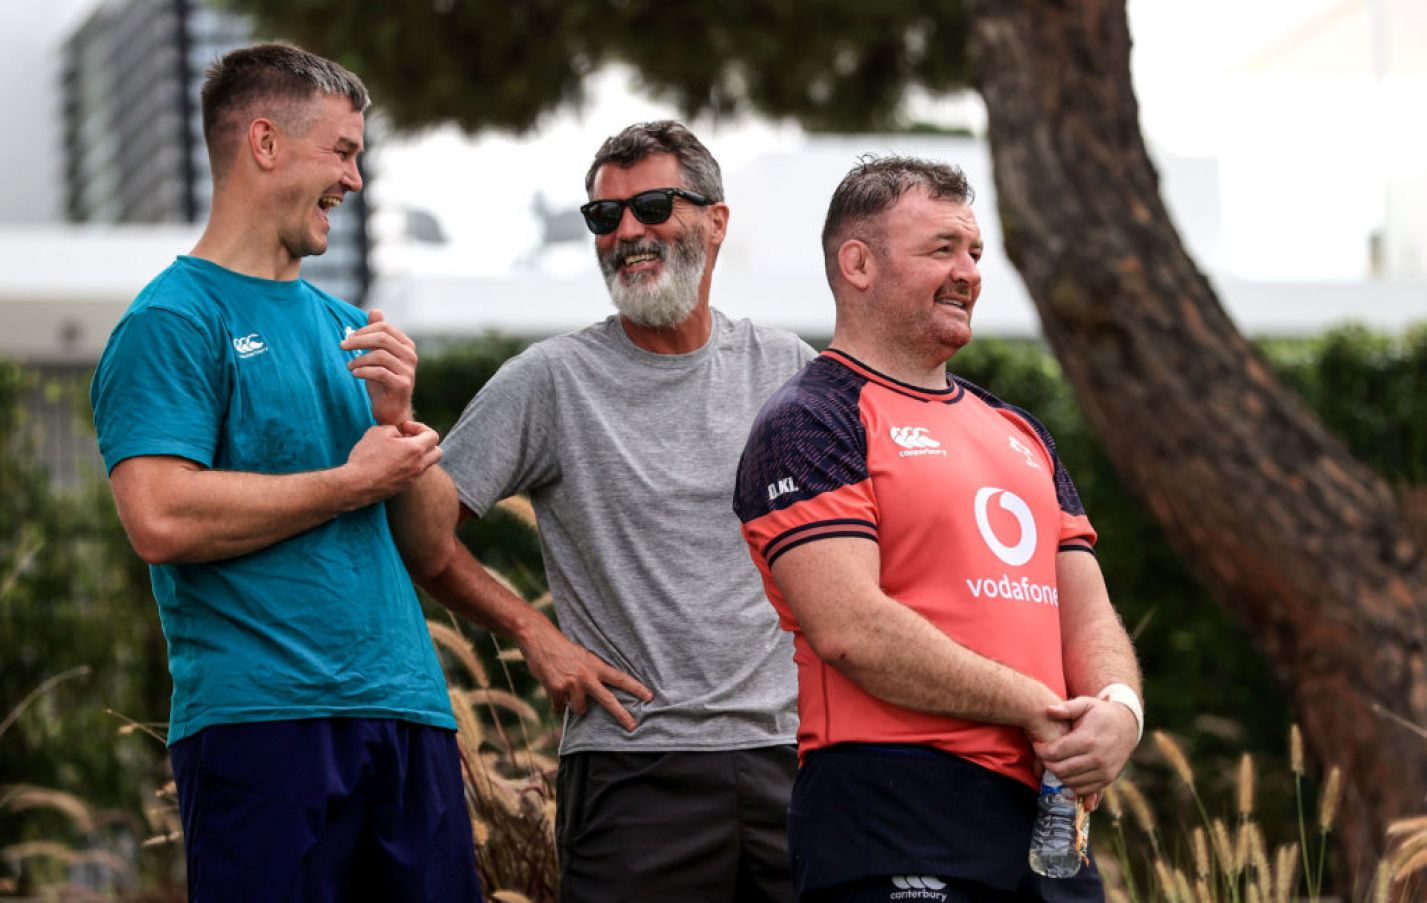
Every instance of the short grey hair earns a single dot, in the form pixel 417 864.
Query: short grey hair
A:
pixel 277 80
pixel 874 186
pixel 645 139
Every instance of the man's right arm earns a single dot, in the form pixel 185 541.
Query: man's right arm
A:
pixel 424 521
pixel 177 511
pixel 892 652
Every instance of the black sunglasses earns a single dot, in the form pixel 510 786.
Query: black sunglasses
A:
pixel 649 207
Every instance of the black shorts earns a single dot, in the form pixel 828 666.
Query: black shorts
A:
pixel 685 826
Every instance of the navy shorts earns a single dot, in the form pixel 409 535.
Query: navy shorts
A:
pixel 324 809
pixel 891 822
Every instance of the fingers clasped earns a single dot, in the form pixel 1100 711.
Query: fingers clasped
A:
pixel 1095 750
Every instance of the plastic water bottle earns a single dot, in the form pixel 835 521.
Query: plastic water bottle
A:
pixel 1061 834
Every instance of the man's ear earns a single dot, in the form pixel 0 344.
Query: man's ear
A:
pixel 856 264
pixel 263 137
pixel 718 228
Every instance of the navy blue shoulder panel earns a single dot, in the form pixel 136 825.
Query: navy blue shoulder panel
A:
pixel 1065 490
pixel 808 439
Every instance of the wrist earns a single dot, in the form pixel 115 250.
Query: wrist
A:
pixel 403 415
pixel 1127 697
pixel 348 487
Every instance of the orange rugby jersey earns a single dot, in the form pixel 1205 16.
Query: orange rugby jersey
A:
pixel 968 505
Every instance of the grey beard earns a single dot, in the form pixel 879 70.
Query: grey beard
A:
pixel 662 302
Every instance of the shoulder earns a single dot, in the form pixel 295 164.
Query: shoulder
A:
pixel 808 439
pixel 817 405
pixel 745 335
pixel 175 303
pixel 178 290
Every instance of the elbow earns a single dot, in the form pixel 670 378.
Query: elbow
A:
pixel 837 648
pixel 158 543
pixel 426 562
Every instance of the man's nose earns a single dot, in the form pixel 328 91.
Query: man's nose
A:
pixel 629 228
pixel 352 178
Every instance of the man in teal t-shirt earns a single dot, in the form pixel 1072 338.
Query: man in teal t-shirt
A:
pixel 254 428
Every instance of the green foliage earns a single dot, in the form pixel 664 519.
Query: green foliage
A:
pixel 837 65
pixel 72 594
pixel 1370 390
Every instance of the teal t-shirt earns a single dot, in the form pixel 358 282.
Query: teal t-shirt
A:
pixel 245 374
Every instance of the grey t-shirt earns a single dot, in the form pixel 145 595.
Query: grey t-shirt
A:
pixel 629 458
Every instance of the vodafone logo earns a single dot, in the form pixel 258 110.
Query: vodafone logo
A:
pixel 1025 546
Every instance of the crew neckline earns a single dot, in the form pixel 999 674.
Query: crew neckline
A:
pixel 659 359
pixel 951 394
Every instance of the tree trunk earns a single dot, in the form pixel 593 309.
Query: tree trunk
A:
pixel 1304 544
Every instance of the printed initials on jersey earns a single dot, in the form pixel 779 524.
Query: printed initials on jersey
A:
pixel 782 487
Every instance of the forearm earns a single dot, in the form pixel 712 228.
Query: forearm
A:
pixel 200 515
pixel 893 652
pixel 899 656
pixel 464 586
pixel 423 520
pixel 1095 645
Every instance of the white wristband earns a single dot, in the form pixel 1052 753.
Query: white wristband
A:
pixel 1126 697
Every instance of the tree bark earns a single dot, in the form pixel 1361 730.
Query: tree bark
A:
pixel 1304 544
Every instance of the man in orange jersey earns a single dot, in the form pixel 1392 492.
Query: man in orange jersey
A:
pixel 922 542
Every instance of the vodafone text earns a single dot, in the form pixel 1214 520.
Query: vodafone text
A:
pixel 1020 591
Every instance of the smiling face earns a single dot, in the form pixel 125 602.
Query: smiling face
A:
pixel 657 274
pixel 927 275
pixel 318 168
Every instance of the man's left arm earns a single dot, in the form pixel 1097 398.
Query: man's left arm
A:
pixel 420 522
pixel 1097 654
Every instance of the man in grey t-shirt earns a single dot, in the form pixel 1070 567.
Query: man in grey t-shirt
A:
pixel 626 436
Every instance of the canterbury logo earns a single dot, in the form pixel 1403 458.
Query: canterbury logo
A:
pixel 917 887
pixel 249 345
pixel 915 441
pixel 913 437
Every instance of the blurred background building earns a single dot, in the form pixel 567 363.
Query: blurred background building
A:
pixel 1289 147
pixel 133 129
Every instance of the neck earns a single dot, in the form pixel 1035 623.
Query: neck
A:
pixel 893 362
pixel 689 334
pixel 238 239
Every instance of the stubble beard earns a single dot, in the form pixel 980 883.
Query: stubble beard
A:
pixel 658 301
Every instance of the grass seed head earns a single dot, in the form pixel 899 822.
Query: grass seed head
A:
pixel 1382 883
pixel 1285 872
pixel 1175 756
pixel 1328 806
pixel 1246 786
pixel 1139 806
pixel 1224 848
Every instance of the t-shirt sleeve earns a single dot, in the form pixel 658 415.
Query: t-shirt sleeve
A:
pixel 160 389
pixel 504 442
pixel 803 476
